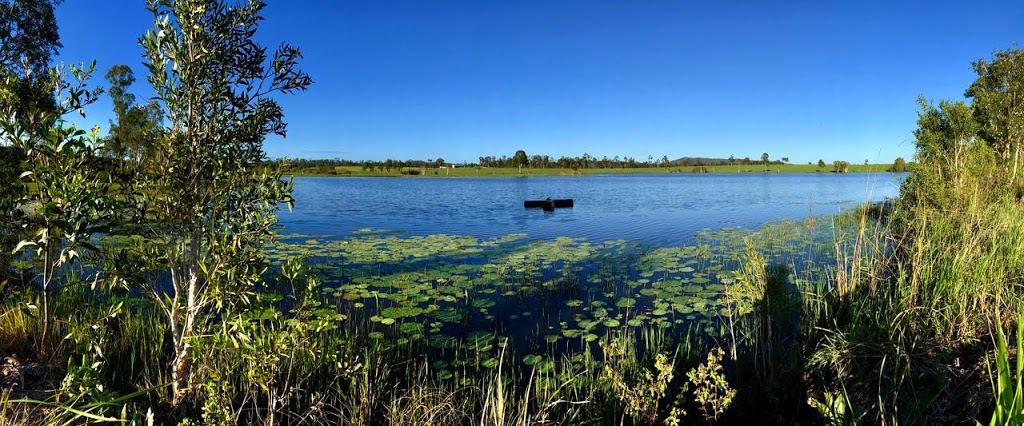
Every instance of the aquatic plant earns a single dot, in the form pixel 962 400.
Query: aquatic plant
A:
pixel 711 390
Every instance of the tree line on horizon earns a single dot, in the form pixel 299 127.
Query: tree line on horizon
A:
pixel 521 160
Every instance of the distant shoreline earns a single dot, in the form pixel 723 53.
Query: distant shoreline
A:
pixel 410 172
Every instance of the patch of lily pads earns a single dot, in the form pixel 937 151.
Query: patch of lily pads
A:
pixel 458 294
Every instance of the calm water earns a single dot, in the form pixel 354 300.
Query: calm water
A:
pixel 662 209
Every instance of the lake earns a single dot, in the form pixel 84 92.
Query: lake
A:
pixel 452 266
pixel 659 209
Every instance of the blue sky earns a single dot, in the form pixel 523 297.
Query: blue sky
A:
pixel 835 80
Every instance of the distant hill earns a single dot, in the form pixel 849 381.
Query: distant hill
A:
pixel 701 161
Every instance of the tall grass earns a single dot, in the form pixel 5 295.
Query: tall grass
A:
pixel 1008 382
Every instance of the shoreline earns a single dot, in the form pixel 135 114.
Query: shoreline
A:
pixel 351 171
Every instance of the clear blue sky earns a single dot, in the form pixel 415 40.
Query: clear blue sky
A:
pixel 461 79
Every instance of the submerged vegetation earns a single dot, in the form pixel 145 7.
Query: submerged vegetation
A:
pixel 148 285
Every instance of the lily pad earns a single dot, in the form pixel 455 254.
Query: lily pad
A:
pixel 532 359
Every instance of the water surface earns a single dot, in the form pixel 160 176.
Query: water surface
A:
pixel 659 209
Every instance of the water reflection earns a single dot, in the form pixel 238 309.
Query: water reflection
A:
pixel 657 209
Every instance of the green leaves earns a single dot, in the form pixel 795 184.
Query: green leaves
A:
pixel 70 197
pixel 1009 393
pixel 210 200
pixel 998 106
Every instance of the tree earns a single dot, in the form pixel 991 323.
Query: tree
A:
pixel 135 128
pixel 520 159
pixel 949 153
pixel 899 166
pixel 821 164
pixel 70 199
pixel 785 159
pixel 28 34
pixel 28 38
pixel 841 167
pixel 998 95
pixel 764 160
pixel 212 206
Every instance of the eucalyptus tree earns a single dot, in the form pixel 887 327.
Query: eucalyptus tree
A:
pixel 520 159
pixel 998 102
pixel 840 166
pixel 950 156
pixel 537 161
pixel 28 34
pixel 212 204
pixel 136 127
pixel 28 39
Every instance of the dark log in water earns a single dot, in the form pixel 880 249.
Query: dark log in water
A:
pixel 547 204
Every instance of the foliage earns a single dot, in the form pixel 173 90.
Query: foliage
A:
pixel 899 165
pixel 998 103
pixel 638 388
pixel 212 205
pixel 899 336
pixel 268 355
pixel 835 409
pixel 953 163
pixel 28 34
pixel 1009 393
pixel 70 198
pixel 711 391
pixel 520 160
pixel 840 166
pixel 136 128
pixel 28 37
pixel 11 158
pixel 762 291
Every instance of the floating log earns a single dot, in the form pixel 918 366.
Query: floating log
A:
pixel 547 204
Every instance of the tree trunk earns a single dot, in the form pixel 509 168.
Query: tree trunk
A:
pixel 181 371
pixel 1016 162
pixel 181 367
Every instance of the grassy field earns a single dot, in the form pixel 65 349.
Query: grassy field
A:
pixel 511 171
